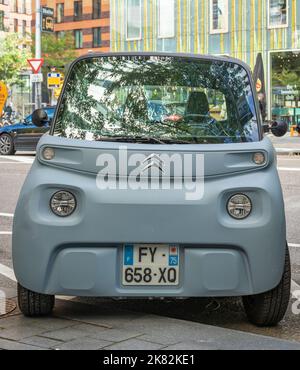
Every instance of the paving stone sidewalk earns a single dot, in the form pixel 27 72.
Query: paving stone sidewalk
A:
pixel 79 326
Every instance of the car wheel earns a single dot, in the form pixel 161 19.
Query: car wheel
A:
pixel 34 304
pixel 269 308
pixel 6 145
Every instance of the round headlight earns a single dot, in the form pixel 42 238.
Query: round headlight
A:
pixel 239 206
pixel 63 203
pixel 48 154
pixel 259 159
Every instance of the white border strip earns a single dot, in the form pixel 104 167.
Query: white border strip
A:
pixel 22 159
pixel 295 288
pixel 13 162
pixel 294 245
pixel 287 150
pixel 289 169
pixel 7 272
pixel 9 215
pixel 5 232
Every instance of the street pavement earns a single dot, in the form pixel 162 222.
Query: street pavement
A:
pixel 287 144
pixel 85 323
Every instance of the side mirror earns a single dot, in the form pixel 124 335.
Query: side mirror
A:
pixel 279 129
pixel 40 117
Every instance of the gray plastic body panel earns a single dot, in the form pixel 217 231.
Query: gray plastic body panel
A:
pixel 82 254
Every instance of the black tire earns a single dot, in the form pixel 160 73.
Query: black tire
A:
pixel 7 146
pixel 34 304
pixel 268 309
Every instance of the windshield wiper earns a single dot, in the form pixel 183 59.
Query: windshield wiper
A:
pixel 132 139
pixel 146 139
pixel 179 141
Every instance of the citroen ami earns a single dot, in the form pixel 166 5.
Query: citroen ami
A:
pixel 156 180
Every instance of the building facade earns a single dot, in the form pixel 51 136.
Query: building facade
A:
pixel 238 28
pixel 88 20
pixel 15 16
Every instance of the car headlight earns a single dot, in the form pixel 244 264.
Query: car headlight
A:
pixel 259 159
pixel 63 203
pixel 239 206
pixel 48 154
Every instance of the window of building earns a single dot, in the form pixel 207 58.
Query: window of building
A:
pixel 134 20
pixel 14 6
pixel 97 37
pixel 23 28
pixel 26 7
pixel 278 13
pixel 60 12
pixel 23 6
pixel 219 16
pixel 1 20
pixel 77 10
pixel 78 39
pixel 166 11
pixel 96 9
pixel 285 86
pixel 15 25
pixel 60 34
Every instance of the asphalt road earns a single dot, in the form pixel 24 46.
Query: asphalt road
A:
pixel 226 312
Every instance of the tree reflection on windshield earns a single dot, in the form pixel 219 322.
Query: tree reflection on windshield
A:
pixel 161 98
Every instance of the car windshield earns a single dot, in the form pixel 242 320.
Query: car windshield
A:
pixel 162 99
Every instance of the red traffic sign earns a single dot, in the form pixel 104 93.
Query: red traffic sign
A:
pixel 35 64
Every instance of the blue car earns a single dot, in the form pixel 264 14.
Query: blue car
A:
pixel 23 136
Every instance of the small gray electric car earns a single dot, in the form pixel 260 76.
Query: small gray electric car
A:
pixel 156 180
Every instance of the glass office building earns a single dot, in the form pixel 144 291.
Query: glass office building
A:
pixel 238 28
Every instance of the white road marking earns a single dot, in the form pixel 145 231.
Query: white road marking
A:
pixel 7 272
pixel 22 159
pixel 5 233
pixel 294 245
pixel 65 298
pixel 287 150
pixel 9 215
pixel 295 288
pixel 14 162
pixel 290 169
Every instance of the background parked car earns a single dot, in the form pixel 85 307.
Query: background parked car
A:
pixel 23 136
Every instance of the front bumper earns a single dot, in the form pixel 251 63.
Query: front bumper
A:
pixel 96 271
pixel 81 255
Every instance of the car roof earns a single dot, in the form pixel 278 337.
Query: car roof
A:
pixel 207 57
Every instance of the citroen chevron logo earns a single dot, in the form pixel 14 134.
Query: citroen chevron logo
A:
pixel 153 161
pixel 133 171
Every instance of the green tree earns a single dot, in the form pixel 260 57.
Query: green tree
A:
pixel 57 51
pixel 13 58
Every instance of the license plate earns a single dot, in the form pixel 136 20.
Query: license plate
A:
pixel 150 265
